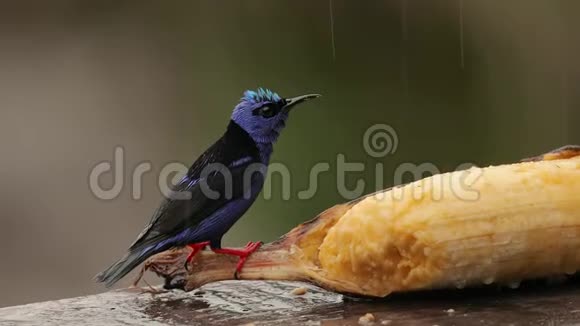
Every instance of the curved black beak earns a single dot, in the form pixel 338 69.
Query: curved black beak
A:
pixel 290 102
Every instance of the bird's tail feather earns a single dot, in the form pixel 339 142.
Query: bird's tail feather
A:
pixel 122 267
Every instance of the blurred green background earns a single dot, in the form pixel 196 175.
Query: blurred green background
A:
pixel 461 81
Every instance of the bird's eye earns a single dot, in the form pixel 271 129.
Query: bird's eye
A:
pixel 267 111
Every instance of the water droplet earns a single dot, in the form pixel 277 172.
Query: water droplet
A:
pixel 514 284
pixel 460 284
pixel 488 280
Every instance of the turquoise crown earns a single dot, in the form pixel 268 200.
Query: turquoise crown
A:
pixel 261 95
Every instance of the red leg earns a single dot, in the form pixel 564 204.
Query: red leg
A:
pixel 195 248
pixel 242 253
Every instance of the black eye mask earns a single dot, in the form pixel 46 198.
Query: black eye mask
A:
pixel 267 111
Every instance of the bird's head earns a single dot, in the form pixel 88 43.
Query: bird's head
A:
pixel 263 113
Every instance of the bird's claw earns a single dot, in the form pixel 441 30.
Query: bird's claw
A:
pixel 195 248
pixel 243 254
pixel 248 249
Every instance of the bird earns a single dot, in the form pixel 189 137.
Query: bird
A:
pixel 218 188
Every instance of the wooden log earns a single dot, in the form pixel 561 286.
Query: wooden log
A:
pixel 272 303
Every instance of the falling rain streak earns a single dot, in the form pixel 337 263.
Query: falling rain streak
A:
pixel 332 30
pixel 461 48
pixel 404 70
pixel 565 107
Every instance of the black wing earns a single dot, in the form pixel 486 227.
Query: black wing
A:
pixel 234 151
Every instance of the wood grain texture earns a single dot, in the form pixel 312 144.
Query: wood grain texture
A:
pixel 272 303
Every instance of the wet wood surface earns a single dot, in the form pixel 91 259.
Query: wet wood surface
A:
pixel 272 303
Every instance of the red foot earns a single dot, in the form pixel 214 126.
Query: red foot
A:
pixel 195 248
pixel 242 253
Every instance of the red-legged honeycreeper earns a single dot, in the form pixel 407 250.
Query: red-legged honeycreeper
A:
pixel 218 188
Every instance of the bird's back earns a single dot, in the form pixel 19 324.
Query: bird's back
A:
pixel 215 179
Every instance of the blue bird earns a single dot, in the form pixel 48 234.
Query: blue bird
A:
pixel 218 188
